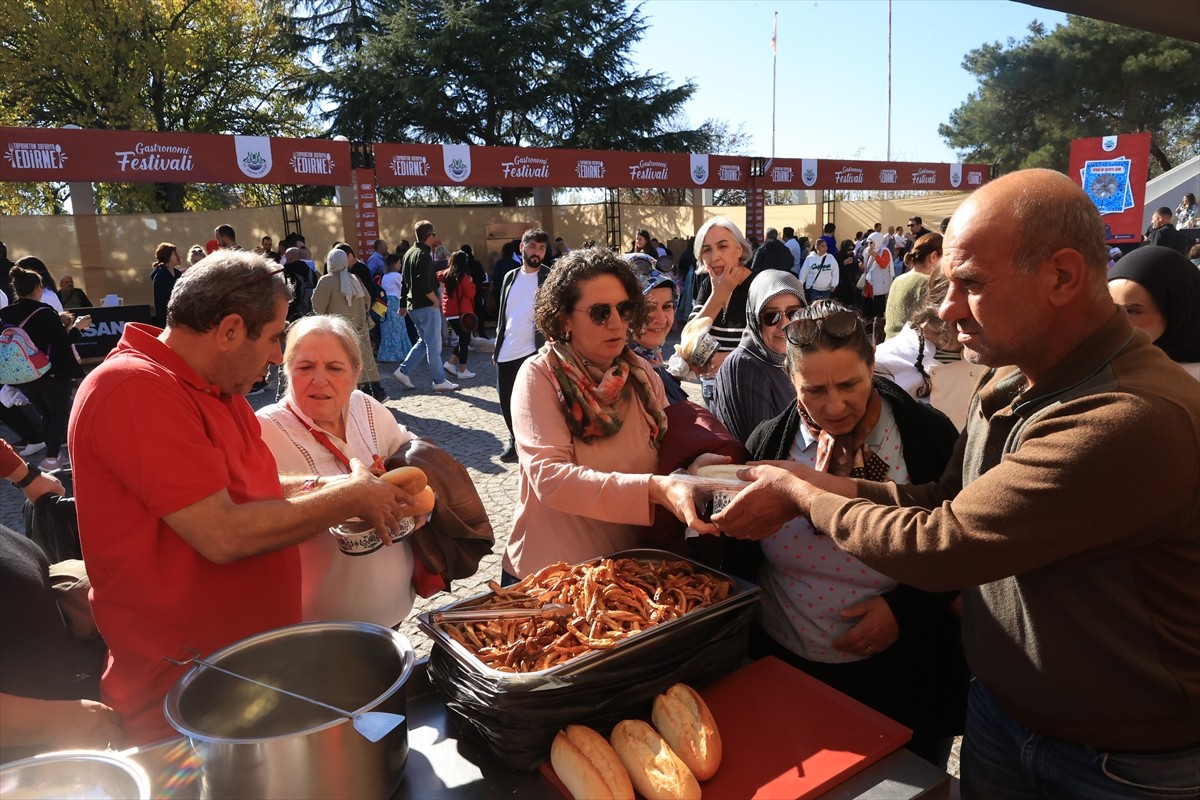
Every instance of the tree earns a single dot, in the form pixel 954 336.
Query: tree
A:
pixel 204 66
pixel 535 73
pixel 1083 79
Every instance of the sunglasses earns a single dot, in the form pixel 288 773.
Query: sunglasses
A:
pixel 839 325
pixel 770 319
pixel 601 312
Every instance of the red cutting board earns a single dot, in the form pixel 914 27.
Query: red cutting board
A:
pixel 787 735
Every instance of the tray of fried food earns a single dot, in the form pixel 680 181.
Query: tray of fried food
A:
pixel 610 604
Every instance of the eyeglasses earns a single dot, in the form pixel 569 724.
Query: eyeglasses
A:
pixel 912 224
pixel 601 312
pixel 769 319
pixel 839 325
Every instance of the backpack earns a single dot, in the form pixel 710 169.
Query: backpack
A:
pixel 302 291
pixel 21 361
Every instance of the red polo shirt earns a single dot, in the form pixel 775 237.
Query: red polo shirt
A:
pixel 148 437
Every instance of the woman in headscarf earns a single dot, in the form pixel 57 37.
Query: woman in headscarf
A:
pixel 752 385
pixel 340 292
pixel 1160 290
pixel 661 303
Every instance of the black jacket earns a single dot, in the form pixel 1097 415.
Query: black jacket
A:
pixel 1167 236
pixel 510 278
pixel 773 254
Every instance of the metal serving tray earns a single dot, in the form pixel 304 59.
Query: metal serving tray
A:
pixel 741 594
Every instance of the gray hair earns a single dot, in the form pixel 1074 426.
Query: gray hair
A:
pixel 227 282
pixel 727 224
pixel 327 324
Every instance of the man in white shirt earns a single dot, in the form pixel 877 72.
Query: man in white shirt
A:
pixel 819 273
pixel 517 338
pixel 793 244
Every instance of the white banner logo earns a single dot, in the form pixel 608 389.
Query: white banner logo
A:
pixel 699 168
pixel 253 155
pixel 456 158
pixel 955 175
pixel 808 171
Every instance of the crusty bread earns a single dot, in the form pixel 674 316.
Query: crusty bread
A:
pixel 683 719
pixel 586 764
pixel 723 471
pixel 657 773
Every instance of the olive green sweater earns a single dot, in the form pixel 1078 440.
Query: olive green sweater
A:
pixel 1070 515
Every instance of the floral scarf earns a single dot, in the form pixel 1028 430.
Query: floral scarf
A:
pixel 590 408
pixel 849 455
pixel 651 354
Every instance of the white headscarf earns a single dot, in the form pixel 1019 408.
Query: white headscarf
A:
pixel 351 287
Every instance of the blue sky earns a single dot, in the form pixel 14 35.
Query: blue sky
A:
pixel 832 68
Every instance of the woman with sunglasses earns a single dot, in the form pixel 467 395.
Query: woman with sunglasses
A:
pixel 751 385
pixel 891 646
pixel 588 420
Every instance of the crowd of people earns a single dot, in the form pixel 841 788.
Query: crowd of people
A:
pixel 1028 583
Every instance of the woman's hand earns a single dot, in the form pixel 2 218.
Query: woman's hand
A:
pixel 379 502
pixel 730 279
pixel 714 365
pixel 679 497
pixel 875 632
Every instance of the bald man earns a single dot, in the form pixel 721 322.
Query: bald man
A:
pixel 1069 516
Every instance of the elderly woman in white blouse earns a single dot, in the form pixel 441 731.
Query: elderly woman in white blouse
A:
pixel 317 427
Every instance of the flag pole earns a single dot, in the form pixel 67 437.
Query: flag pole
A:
pixel 774 64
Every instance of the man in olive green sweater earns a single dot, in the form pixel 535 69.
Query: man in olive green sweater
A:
pixel 1070 515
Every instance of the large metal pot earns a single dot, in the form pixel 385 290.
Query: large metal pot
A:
pixel 257 743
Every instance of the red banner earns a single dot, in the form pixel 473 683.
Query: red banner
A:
pixel 366 211
pixel 71 154
pixel 829 173
pixel 1112 170
pixel 465 165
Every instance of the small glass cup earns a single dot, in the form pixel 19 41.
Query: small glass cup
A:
pixel 356 537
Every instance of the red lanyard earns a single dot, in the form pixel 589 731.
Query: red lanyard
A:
pixel 321 437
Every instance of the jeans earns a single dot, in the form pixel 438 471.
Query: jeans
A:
pixel 429 329
pixel 1004 760
pixel 506 380
pixel 51 396
pixel 818 294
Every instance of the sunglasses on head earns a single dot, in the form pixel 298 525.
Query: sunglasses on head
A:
pixel 839 325
pixel 601 312
pixel 769 319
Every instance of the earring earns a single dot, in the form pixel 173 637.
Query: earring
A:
pixel 567 337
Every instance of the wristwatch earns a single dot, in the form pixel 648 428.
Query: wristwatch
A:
pixel 33 474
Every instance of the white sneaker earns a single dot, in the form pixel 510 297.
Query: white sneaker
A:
pixel 464 374
pixel 405 381
pixel 445 386
pixel 451 370
pixel 50 464
pixel 31 448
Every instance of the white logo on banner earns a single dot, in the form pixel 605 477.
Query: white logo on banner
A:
pixel 590 170
pixel 699 168
pixel 35 155
pixel 253 155
pixel 456 158
pixel 311 163
pixel 1108 144
pixel 729 172
pixel 955 175
pixel 808 171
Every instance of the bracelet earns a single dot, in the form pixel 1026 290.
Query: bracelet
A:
pixel 31 476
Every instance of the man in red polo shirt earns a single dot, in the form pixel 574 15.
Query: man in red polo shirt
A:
pixel 186 526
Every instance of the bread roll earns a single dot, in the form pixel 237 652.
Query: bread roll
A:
pixel 410 479
pixel 657 773
pixel 423 501
pixel 684 720
pixel 723 471
pixel 587 765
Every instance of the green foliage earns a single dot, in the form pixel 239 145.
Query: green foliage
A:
pixel 536 73
pixel 1083 79
pixel 204 66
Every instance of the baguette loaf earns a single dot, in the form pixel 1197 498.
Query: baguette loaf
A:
pixel 587 765
pixel 657 773
pixel 684 720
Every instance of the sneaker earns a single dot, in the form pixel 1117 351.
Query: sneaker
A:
pixel 405 381
pixel 50 464
pixel 451 369
pixel 28 448
pixel 465 374
pixel 445 386
pixel 509 456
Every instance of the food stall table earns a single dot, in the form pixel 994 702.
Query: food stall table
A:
pixel 442 765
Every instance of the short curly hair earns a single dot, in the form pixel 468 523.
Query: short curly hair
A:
pixel 558 295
